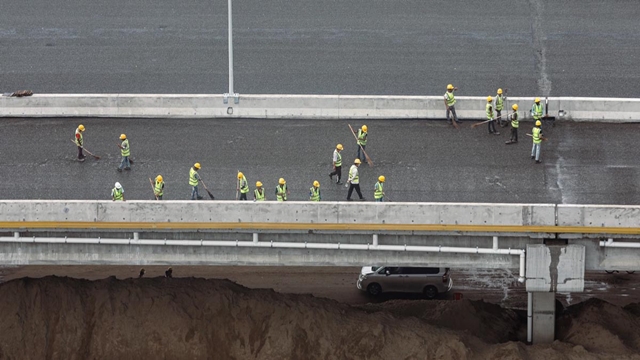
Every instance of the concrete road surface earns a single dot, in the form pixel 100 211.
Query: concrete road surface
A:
pixel 409 47
pixel 422 160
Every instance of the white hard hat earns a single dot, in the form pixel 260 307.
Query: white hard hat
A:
pixel 118 186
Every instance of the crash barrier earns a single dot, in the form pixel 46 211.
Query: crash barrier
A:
pixel 304 107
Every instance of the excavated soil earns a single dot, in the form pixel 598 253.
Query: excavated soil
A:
pixel 192 318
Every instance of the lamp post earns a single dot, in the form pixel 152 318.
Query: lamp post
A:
pixel 231 93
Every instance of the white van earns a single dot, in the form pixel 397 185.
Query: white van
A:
pixel 429 281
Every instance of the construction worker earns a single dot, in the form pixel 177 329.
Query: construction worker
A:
pixel 194 179
pixel 337 164
pixel 281 190
pixel 314 191
pixel 378 192
pixel 243 186
pixel 117 193
pixel 158 188
pixel 354 180
pixel 537 110
pixel 514 125
pixel 499 106
pixel 125 151
pixel 258 193
pixel 362 140
pixel 449 102
pixel 537 140
pixel 79 141
pixel 492 121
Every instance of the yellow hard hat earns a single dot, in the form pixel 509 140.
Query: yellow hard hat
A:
pixel 489 99
pixel 281 181
pixel 196 165
pixel 339 147
pixel 364 128
pixel 81 127
pixel 258 184
pixel 537 100
pixel 381 178
pixel 538 123
pixel 450 87
pixel 514 107
pixel 159 178
pixel 499 91
pixel 357 161
pixel 240 175
pixel 316 183
pixel 123 136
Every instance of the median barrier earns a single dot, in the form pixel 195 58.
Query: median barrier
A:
pixel 330 107
pixel 599 216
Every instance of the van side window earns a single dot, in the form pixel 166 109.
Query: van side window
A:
pixel 421 270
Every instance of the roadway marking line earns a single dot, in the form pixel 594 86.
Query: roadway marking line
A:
pixel 314 226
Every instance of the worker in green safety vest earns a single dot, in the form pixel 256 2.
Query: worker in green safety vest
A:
pixel 449 102
pixel 491 119
pixel 378 192
pixel 537 141
pixel 125 151
pixel 258 193
pixel 158 188
pixel 514 125
pixel 117 193
pixel 194 180
pixel 362 141
pixel 243 186
pixel 537 110
pixel 337 164
pixel 314 191
pixel 499 107
pixel 281 190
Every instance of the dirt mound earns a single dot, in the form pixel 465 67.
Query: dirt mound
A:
pixel 187 318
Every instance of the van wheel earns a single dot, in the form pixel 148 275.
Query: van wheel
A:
pixel 374 289
pixel 630 272
pixel 430 292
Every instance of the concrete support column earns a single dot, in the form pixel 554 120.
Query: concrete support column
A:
pixel 541 317
pixel 375 239
pixel 495 243
pixel 255 237
pixel 136 236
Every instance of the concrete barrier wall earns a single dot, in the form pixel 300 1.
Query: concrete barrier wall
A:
pixel 599 216
pixel 274 212
pixel 301 107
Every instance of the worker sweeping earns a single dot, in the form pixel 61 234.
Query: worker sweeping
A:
pixel 117 193
pixel 499 106
pixel 158 187
pixel 281 190
pixel 537 141
pixel 514 125
pixel 314 191
pixel 490 118
pixel 537 110
pixel 125 151
pixel 258 193
pixel 243 186
pixel 449 102
pixel 194 179
pixel 337 164
pixel 362 141
pixel 378 191
pixel 79 141
pixel 354 180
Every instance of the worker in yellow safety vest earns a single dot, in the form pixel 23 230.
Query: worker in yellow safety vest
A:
pixel 194 180
pixel 281 190
pixel 537 109
pixel 354 180
pixel 514 125
pixel 491 119
pixel 362 141
pixel 258 193
pixel 158 189
pixel 378 192
pixel 449 102
pixel 125 151
pixel 337 164
pixel 243 186
pixel 117 193
pixel 314 191
pixel 499 106
pixel 537 141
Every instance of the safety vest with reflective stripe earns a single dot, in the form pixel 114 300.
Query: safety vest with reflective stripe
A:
pixel 314 194
pixel 281 192
pixel 499 102
pixel 537 132
pixel 125 151
pixel 117 194
pixel 489 109
pixel 259 194
pixel 451 99
pixel 159 187
pixel 244 188
pixel 537 111
pixel 353 175
pixel 338 157
pixel 362 137
pixel 78 140
pixel 193 180
pixel 378 192
pixel 514 120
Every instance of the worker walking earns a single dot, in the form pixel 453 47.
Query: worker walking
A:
pixel 337 164
pixel 158 187
pixel 354 180
pixel 537 110
pixel 537 140
pixel 314 191
pixel 499 106
pixel 362 141
pixel 449 102
pixel 125 151
pixel 258 193
pixel 378 192
pixel 243 186
pixel 79 141
pixel 194 179
pixel 492 122
pixel 514 125
pixel 281 190
pixel 117 193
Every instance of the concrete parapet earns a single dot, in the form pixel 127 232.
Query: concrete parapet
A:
pixel 599 216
